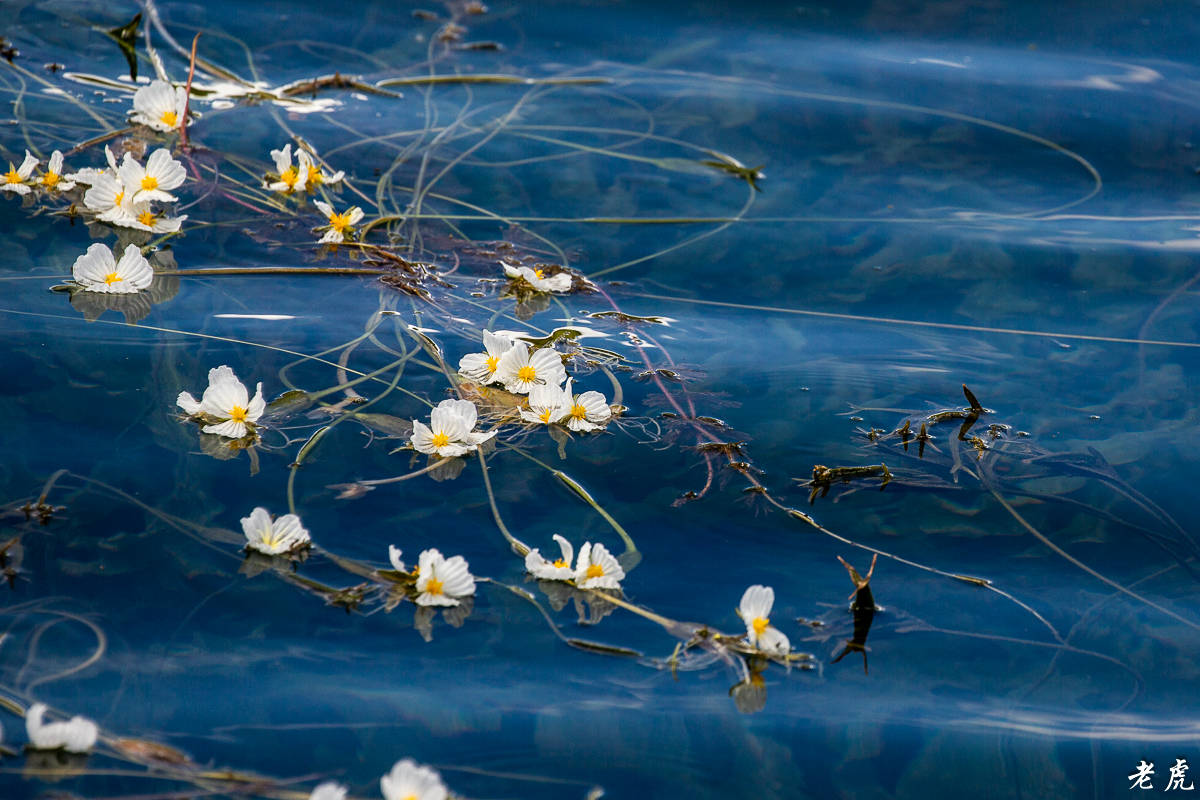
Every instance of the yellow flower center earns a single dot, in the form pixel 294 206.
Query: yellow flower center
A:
pixel 12 176
pixel 595 571
pixel 410 797
pixel 289 177
pixel 50 180
pixel 237 414
pixel 545 415
pixel 146 218
pixel 149 183
pixel 340 222
pixel 492 362
pixel 440 439
pixel 539 274
pixel 112 278
pixel 118 198
pixel 315 178
pixel 578 411
pixel 527 373
pixel 170 118
pixel 760 625
pixel 433 587
pixel 560 563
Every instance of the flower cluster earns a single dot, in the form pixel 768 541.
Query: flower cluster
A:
pixel 539 373
pixel 596 568
pixel 303 175
pixel 124 194
pixel 21 180
pixel 440 581
pixel 226 407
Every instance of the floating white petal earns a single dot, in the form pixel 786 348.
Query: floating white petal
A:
pixel 274 537
pixel 560 569
pixel 450 431
pixel 411 781
pixel 97 270
pixel 442 581
pixel 597 568
pixel 159 106
pixel 227 400
pixel 77 735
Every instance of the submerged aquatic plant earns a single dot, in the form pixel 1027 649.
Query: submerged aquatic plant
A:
pixel 98 270
pixel 226 407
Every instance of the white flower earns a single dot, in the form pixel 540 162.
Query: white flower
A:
pixel 75 736
pixel 411 781
pixel 394 557
pixel 520 371
pixel 142 218
pixel 89 175
pixel 548 404
pixel 755 611
pixel 97 270
pixel 560 282
pixel 340 225
pixel 152 181
pixel 328 791
pixel 225 399
pixel 289 175
pixel 442 581
pixel 588 411
pixel 314 176
pixel 450 432
pixel 284 535
pixel 52 179
pixel 159 106
pixel 110 200
pixel 481 367
pixel 597 568
pixel 558 570
pixel 17 178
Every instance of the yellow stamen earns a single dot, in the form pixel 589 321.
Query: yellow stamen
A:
pixel 760 625
pixel 12 176
pixel 112 278
pixel 545 415
pixel 539 274
pixel 50 180
pixel 118 198
pixel 289 178
pixel 433 587
pixel 595 571
pixel 149 183
pixel 492 362
pixel 170 118
pixel 558 562
pixel 527 373
pixel 340 222
pixel 578 411
pixel 440 439
pixel 146 218
pixel 315 178
pixel 237 414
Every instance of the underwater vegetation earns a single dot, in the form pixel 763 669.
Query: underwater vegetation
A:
pixel 431 414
